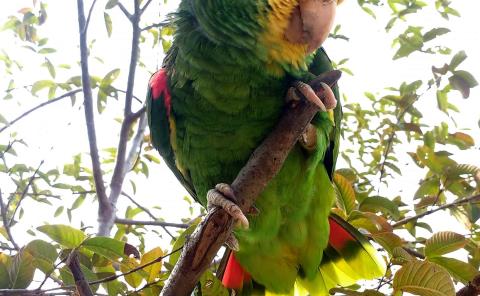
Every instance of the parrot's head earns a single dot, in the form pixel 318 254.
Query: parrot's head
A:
pixel 293 29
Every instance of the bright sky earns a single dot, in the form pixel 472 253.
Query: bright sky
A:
pixel 57 133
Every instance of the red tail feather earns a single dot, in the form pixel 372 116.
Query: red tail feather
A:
pixel 234 275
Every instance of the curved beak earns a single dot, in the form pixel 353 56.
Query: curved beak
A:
pixel 311 22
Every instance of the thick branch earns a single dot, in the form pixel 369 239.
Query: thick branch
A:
pixel 105 208
pixel 152 223
pixel 265 162
pixel 68 94
pixel 446 206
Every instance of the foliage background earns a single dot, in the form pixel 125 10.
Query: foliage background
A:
pixel 409 142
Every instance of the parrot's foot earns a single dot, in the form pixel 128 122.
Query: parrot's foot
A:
pixel 224 197
pixel 308 139
pixel 325 102
pixel 232 243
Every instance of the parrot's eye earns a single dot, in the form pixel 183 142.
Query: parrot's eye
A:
pixel 327 2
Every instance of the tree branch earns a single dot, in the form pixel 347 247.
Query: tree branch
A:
pixel 125 11
pixel 107 220
pixel 136 142
pixel 68 94
pixel 148 212
pixel 446 206
pixel 6 225
pixel 157 25
pixel 152 223
pixel 263 165
pixel 24 193
pixel 89 16
pixel 105 208
pixel 145 6
pixel 81 283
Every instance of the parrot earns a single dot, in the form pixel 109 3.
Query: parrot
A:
pixel 220 91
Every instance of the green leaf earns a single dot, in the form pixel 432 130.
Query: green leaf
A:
pixel 423 278
pixel 444 242
pixel 108 247
pixel 44 254
pixel 152 271
pixel 58 212
pixel 65 235
pixel 345 194
pixel 459 270
pixel 387 240
pixel 3 119
pixel 210 285
pixel 379 203
pixel 181 241
pixel 133 279
pixel 5 262
pixel 21 270
pixel 461 140
pixel 108 23
pixel 47 50
pixel 457 60
pixel 111 4
pixel 462 81
pixel 434 33
pixel 50 68
pixel 400 256
pixel 41 84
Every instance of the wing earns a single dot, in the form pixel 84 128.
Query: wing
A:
pixel 162 123
pixel 321 63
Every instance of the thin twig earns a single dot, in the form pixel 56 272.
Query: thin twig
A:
pixel 105 208
pixel 148 212
pixel 68 94
pixel 24 193
pixel 89 16
pixel 157 25
pixel 152 223
pixel 49 274
pixel 142 10
pixel 446 206
pixel 139 205
pixel 3 211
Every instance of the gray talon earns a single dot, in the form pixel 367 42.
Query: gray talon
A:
pixel 224 197
pixel 232 243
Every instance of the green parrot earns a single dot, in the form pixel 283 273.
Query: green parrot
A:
pixel 220 92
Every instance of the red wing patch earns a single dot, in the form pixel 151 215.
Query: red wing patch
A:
pixel 339 236
pixel 234 275
pixel 159 85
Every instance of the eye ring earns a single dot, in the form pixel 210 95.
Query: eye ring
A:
pixel 328 2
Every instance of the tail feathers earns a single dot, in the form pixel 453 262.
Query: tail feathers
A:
pixel 348 258
pixel 234 276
